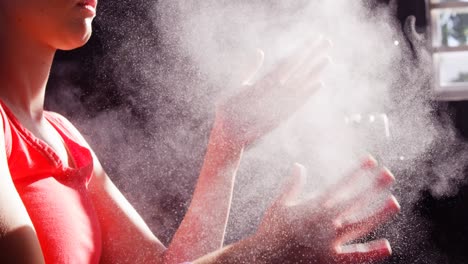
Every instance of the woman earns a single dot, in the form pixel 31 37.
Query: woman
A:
pixel 57 204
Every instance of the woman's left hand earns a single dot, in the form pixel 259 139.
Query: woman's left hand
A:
pixel 263 105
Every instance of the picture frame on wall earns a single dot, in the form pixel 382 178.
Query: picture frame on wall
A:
pixel 448 36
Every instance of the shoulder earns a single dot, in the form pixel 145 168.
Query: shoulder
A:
pixel 66 126
pixel 60 119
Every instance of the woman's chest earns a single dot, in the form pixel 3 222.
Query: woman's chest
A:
pixel 64 219
pixel 51 140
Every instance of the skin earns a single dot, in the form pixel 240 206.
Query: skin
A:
pixel 31 31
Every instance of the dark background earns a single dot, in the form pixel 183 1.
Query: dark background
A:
pixel 95 91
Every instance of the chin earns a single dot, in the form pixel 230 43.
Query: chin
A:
pixel 75 43
pixel 77 37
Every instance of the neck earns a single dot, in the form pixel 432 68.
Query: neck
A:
pixel 24 72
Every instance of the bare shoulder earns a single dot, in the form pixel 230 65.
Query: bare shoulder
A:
pixel 68 126
pixel 98 172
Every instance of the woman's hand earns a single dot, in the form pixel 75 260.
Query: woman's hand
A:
pixel 321 228
pixel 261 106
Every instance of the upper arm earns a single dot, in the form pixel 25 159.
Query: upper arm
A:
pixel 126 237
pixel 18 239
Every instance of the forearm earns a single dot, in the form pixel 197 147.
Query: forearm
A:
pixel 203 227
pixel 125 236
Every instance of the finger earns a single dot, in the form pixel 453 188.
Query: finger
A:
pixel 286 107
pixel 348 231
pixel 344 187
pixel 289 105
pixel 363 199
pixel 269 88
pixel 358 253
pixel 308 91
pixel 287 65
pixel 295 63
pixel 308 74
pixel 254 68
pixel 339 196
pixel 365 166
pixel 293 188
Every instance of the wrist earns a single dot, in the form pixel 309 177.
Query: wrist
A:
pixel 223 154
pixel 224 137
pixel 267 249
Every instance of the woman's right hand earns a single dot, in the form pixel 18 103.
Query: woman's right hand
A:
pixel 320 229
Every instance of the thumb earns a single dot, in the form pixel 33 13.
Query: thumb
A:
pixel 294 185
pixel 253 68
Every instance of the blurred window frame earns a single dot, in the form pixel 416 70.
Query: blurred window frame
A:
pixel 450 91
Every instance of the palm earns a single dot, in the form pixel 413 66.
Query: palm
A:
pixel 262 106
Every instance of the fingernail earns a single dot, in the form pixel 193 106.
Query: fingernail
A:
pixel 369 163
pixel 392 205
pixel 299 168
pixel 386 178
pixel 382 244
